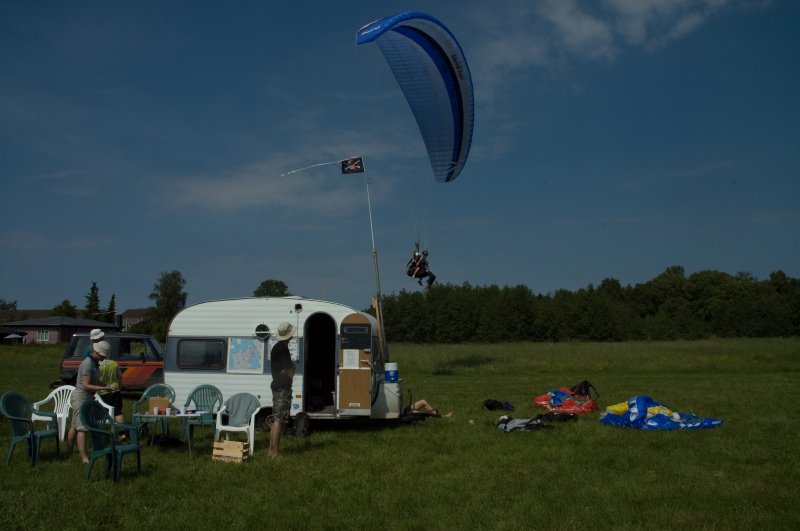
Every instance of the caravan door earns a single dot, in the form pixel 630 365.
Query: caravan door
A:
pixel 355 366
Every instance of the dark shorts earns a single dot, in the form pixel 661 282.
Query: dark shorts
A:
pixel 281 404
pixel 114 399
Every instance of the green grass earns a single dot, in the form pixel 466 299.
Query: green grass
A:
pixel 462 472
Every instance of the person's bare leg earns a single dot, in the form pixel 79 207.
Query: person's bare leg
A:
pixel 422 404
pixel 71 434
pixel 82 447
pixel 275 439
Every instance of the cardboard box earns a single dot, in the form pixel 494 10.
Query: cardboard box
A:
pixel 230 451
pixel 162 403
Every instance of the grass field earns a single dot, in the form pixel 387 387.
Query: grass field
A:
pixel 462 472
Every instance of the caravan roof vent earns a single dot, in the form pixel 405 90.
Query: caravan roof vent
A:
pixel 262 331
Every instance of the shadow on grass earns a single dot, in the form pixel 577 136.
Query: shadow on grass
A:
pixel 363 424
pixel 310 444
pixel 447 368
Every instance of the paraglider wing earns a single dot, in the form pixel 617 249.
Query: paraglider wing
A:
pixel 432 72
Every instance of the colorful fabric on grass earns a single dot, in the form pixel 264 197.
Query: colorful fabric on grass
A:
pixel 644 413
pixel 565 400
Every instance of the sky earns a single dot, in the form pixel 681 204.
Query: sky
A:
pixel 612 139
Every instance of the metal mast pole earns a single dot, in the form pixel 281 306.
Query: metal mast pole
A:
pixel 378 302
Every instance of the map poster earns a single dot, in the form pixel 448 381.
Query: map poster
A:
pixel 245 355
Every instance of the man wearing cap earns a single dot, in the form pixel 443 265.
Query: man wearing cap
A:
pixel 87 383
pixel 282 374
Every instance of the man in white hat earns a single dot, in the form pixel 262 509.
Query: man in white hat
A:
pixel 87 383
pixel 282 374
pixel 95 335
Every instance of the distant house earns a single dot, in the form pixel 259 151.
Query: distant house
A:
pixel 55 329
pixel 23 315
pixel 134 316
pixel 12 335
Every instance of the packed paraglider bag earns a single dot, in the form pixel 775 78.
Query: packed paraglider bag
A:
pixel 578 399
pixel 507 423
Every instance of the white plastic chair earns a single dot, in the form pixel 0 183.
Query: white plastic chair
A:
pixel 60 395
pixel 241 410
pixel 103 403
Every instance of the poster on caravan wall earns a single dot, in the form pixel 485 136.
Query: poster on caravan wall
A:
pixel 246 354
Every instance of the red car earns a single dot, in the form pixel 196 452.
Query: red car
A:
pixel 140 358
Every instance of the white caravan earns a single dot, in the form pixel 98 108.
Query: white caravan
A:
pixel 338 351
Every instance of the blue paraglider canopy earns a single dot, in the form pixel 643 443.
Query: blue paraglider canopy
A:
pixel 643 413
pixel 432 72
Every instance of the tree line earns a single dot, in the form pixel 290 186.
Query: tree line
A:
pixel 91 310
pixel 670 306
pixel 168 296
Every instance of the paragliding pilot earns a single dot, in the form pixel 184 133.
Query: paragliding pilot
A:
pixel 418 268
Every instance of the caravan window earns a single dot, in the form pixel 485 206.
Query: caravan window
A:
pixel 201 354
pixel 355 336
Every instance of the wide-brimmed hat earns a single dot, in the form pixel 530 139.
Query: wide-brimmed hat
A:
pixel 96 334
pixel 102 348
pixel 285 331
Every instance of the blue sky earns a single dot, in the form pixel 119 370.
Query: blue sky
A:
pixel 612 139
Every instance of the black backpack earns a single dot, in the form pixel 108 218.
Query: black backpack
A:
pixel 302 425
pixel 491 404
pixel 584 389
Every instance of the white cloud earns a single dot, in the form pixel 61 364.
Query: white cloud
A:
pixel 18 240
pixel 261 185
pixel 544 38
pixel 30 241
pixel 655 22
pixel 91 242
pixel 322 189
pixel 508 43
pixel 580 33
pixel 525 35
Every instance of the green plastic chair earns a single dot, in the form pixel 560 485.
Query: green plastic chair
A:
pixel 205 398
pixel 142 405
pixel 104 432
pixel 19 412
